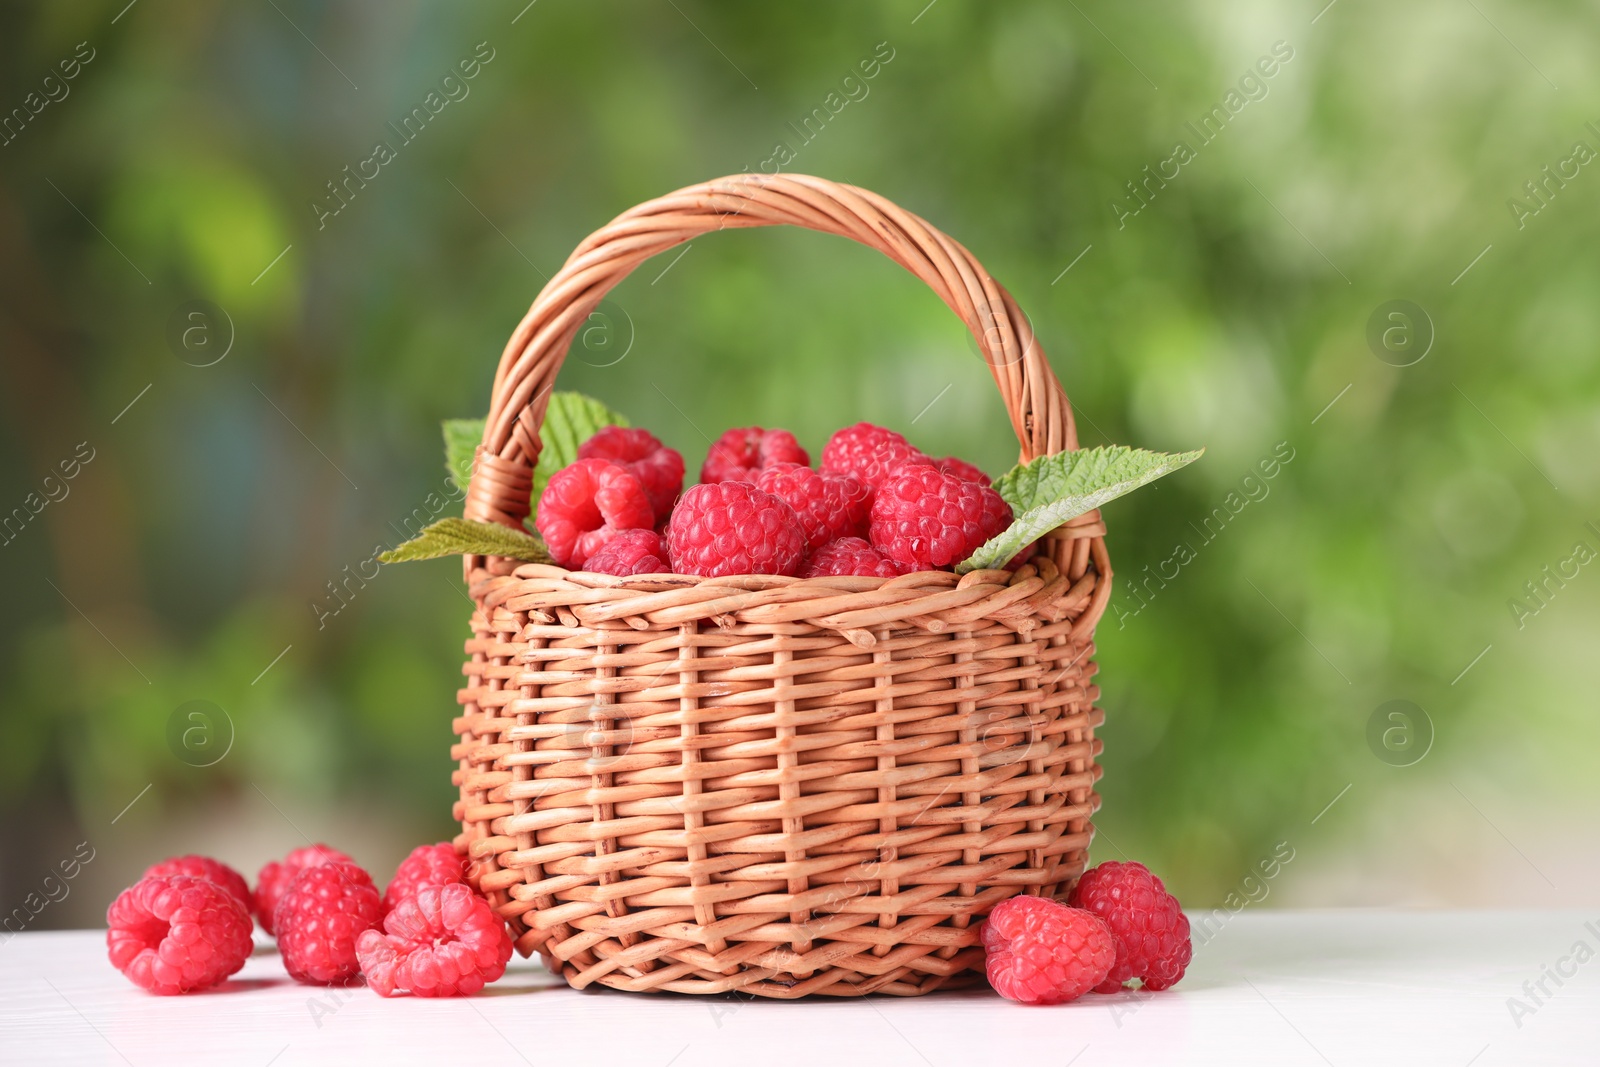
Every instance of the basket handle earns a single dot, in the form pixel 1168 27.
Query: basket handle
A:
pixel 502 480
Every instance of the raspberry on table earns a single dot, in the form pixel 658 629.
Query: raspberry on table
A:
pixel 848 555
pixel 924 518
pixel 1039 951
pixel 177 933
pixel 443 941
pixel 829 505
pixel 734 528
pixel 208 868
pixel 739 455
pixel 320 916
pixel 660 468
pixel 871 453
pixel 438 864
pixel 960 468
pixel 631 552
pixel 587 503
pixel 275 877
pixel 1150 928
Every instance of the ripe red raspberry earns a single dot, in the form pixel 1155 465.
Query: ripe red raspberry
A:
pixel 176 933
pixel 829 505
pixel 320 916
pixel 739 454
pixel 871 453
pixel 848 555
pixel 660 468
pixel 587 503
pixel 1151 931
pixel 444 941
pixel 1042 952
pixel 960 468
pixel 630 552
pixel 275 877
pixel 925 519
pixel 734 528
pixel 427 865
pixel 208 868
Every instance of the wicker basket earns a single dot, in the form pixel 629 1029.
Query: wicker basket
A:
pixel 773 785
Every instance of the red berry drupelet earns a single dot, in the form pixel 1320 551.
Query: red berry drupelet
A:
pixel 960 468
pixel 871 453
pixel 319 918
pixel 1042 952
pixel 437 864
pixel 444 941
pixel 660 468
pixel 631 552
pixel 276 876
pixel 208 868
pixel 734 528
pixel 587 503
pixel 739 455
pixel 1151 931
pixel 829 505
pixel 925 519
pixel 848 556
pixel 177 933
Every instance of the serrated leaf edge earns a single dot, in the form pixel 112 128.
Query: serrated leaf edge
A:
pixel 994 552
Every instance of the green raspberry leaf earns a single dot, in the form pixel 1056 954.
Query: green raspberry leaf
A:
pixel 459 537
pixel 570 420
pixel 1051 490
pixel 461 437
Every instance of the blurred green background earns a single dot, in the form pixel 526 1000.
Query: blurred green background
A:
pixel 1226 303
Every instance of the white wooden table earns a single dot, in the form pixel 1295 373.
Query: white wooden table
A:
pixel 1279 988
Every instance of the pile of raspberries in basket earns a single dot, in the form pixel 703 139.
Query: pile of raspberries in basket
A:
pixel 877 507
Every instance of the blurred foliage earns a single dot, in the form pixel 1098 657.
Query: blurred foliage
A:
pixel 205 540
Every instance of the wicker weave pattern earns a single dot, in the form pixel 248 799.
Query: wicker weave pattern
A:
pixel 766 784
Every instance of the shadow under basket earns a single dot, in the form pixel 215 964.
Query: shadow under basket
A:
pixel 776 786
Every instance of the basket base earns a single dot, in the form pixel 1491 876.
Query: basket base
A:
pixel 833 982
